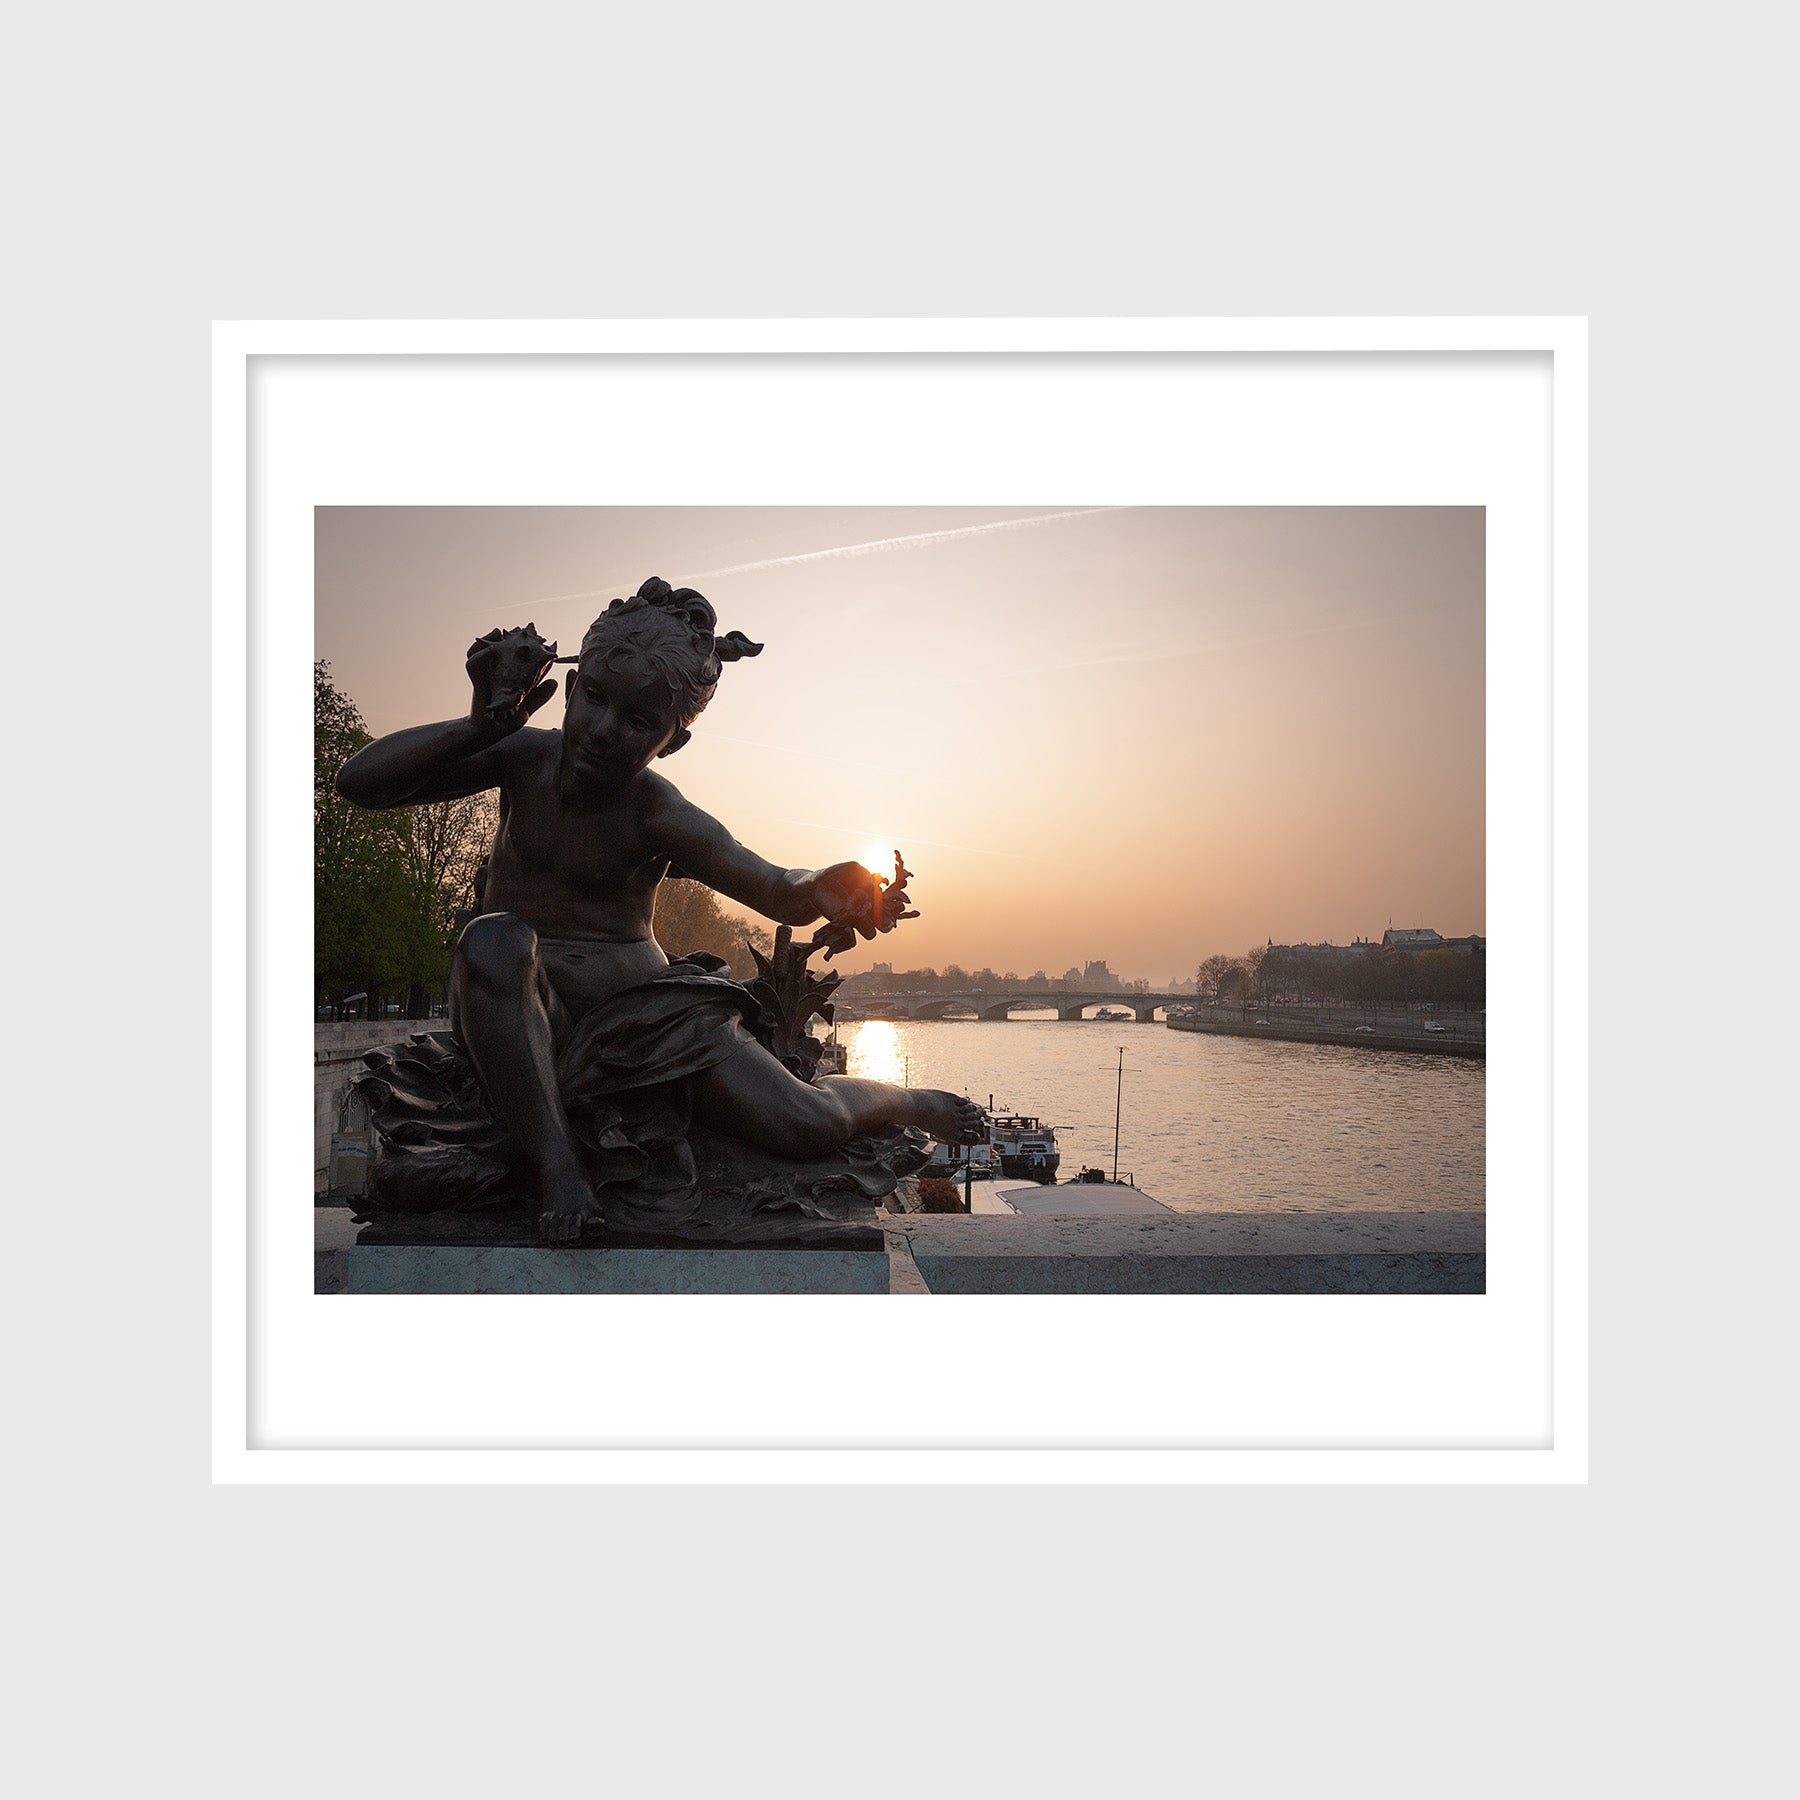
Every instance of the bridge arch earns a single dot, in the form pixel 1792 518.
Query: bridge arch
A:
pixel 937 1009
pixel 1142 1010
pixel 992 1006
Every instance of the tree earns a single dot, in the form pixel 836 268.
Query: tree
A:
pixel 1234 987
pixel 355 871
pixel 689 917
pixel 439 846
pixel 1252 961
pixel 386 885
pixel 1450 978
pixel 1210 977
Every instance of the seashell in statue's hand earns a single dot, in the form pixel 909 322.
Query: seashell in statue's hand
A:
pixel 507 671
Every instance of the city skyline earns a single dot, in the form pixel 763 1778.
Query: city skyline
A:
pixel 1089 965
pixel 1171 731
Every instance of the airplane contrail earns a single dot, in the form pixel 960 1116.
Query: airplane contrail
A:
pixel 874 547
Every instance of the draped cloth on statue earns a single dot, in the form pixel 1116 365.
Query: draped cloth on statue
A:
pixel 625 1076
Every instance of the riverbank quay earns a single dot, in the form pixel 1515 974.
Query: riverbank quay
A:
pixel 1035 1199
pixel 1378 1037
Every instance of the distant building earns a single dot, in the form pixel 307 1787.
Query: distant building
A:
pixel 1422 937
pixel 1098 975
pixel 1411 937
pixel 882 969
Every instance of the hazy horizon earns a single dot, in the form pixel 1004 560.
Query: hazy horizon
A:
pixel 1141 735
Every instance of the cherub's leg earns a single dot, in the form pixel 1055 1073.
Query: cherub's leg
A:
pixel 752 1097
pixel 505 1012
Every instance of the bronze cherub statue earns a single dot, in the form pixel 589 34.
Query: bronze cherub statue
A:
pixel 583 1052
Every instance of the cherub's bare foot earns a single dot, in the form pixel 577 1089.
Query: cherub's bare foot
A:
pixel 566 1203
pixel 950 1118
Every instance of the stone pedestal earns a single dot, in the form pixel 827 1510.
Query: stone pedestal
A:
pixel 542 1269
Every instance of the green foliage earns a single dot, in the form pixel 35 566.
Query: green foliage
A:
pixel 385 884
pixel 1366 976
pixel 349 864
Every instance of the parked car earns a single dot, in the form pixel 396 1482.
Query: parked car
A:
pixel 1433 1025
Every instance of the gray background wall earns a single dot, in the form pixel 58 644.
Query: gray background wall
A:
pixel 383 161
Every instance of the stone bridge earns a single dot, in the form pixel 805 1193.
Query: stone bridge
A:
pixel 1142 1006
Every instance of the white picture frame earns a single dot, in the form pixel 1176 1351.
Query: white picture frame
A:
pixel 1347 411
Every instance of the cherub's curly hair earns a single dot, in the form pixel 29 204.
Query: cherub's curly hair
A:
pixel 672 632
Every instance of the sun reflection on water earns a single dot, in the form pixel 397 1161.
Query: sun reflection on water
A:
pixel 875 1052
pixel 1214 1123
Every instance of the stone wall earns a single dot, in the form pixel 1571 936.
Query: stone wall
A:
pixel 1426 1043
pixel 337 1060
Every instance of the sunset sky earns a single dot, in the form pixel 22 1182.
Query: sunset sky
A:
pixel 1142 734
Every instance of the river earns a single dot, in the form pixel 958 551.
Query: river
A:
pixel 1215 1123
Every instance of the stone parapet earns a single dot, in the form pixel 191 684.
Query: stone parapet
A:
pixel 337 1061
pixel 954 1253
pixel 1195 1253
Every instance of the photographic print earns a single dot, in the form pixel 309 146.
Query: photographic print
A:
pixel 910 899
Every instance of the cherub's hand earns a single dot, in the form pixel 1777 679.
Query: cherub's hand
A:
pixel 852 898
pixel 847 894
pixel 507 671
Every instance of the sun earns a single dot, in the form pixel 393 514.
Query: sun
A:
pixel 878 861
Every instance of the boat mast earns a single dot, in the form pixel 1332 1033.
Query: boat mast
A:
pixel 1118 1107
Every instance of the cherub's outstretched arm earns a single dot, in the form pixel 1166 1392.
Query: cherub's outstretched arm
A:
pixel 844 893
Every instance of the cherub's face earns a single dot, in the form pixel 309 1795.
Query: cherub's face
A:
pixel 617 721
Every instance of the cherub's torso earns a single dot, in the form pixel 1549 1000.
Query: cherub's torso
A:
pixel 583 876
